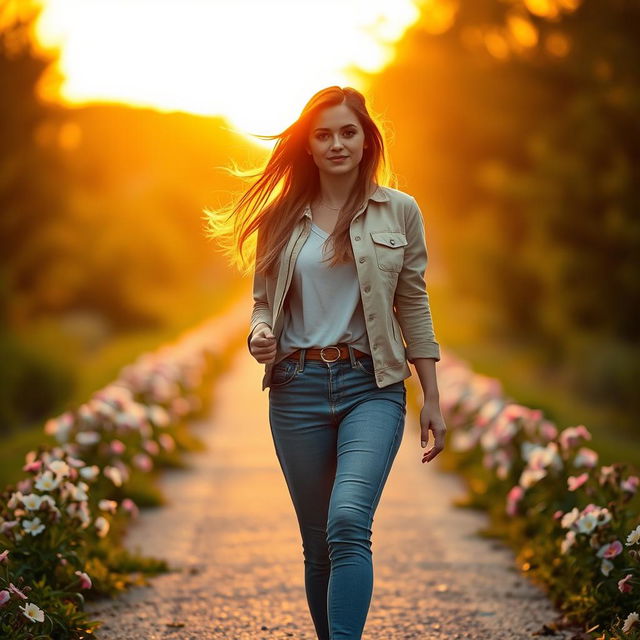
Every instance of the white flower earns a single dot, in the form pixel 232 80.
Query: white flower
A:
pixel 15 498
pixel 75 462
pixel 46 481
pixel 568 541
pixel 606 566
pixel 108 505
pixel 158 415
pixel 59 467
pixel 570 517
pixel 89 473
pixel 31 501
pixel 33 612
pixel 102 526
pixel 631 620
pixel 78 492
pixel 113 473
pixel 588 522
pixel 49 500
pixel 634 536
pixel 59 427
pixel 603 515
pixel 529 477
pixel 34 527
pixel 87 437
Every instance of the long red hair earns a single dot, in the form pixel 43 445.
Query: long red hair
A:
pixel 290 180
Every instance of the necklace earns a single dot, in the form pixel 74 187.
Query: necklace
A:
pixel 328 207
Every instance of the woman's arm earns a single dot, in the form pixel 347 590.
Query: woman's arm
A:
pixel 431 416
pixel 426 368
pixel 414 315
pixel 411 300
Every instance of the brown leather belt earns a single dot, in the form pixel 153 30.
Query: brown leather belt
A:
pixel 327 354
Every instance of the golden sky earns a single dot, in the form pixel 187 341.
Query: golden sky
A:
pixel 256 62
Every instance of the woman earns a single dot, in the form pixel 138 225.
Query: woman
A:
pixel 335 253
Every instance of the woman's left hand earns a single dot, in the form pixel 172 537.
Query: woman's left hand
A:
pixel 431 420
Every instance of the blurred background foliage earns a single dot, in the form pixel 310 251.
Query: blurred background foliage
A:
pixel 514 123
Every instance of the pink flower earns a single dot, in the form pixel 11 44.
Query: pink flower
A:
pixel 167 442
pixel 586 458
pixel 623 585
pixel 558 514
pixel 571 435
pixel 630 484
pixel 129 505
pixel 547 430
pixel 514 496
pixel 32 466
pixel 12 587
pixel 117 447
pixel 574 482
pixel 3 556
pixel 85 580
pixel 143 462
pixel 610 550
pixel 4 597
pixel 7 525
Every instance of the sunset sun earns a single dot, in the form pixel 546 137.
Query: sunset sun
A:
pixel 255 63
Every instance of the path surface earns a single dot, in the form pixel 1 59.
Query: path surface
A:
pixel 230 533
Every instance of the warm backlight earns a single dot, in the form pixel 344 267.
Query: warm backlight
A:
pixel 256 62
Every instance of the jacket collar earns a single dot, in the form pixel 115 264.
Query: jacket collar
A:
pixel 378 195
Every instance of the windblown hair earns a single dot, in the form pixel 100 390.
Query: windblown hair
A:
pixel 288 181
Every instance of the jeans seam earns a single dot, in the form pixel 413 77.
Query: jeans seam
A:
pixel 386 466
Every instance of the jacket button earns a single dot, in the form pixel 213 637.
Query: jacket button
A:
pixel 357 238
pixel 362 259
pixel 367 289
pixel 392 241
pixel 371 316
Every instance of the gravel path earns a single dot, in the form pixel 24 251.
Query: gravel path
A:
pixel 230 533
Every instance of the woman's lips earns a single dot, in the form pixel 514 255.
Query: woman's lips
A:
pixel 340 159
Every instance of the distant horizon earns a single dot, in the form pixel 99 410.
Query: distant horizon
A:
pixel 173 79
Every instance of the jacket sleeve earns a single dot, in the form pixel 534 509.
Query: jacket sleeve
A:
pixel 261 311
pixel 411 298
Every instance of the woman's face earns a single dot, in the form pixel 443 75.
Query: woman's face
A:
pixel 336 131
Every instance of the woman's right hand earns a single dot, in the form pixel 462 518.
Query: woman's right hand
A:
pixel 263 343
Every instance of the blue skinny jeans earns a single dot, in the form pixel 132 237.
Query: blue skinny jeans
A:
pixel 336 435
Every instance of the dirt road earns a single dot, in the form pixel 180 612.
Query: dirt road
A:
pixel 231 534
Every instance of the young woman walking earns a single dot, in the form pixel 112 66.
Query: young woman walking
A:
pixel 339 273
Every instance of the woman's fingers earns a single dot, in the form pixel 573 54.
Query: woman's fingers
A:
pixel 263 348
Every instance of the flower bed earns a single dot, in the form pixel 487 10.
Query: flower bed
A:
pixel 61 527
pixel 574 524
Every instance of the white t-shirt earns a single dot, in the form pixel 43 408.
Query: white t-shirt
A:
pixel 323 305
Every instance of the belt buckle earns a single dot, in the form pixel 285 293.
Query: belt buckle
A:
pixel 331 347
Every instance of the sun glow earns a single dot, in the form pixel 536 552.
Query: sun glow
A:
pixel 255 62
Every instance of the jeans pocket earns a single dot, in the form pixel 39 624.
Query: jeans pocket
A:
pixel 365 363
pixel 283 372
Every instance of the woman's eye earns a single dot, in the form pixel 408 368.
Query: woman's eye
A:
pixel 350 133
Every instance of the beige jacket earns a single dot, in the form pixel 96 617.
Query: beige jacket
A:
pixel 388 241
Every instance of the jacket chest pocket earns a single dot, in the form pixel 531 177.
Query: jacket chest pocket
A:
pixel 389 249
